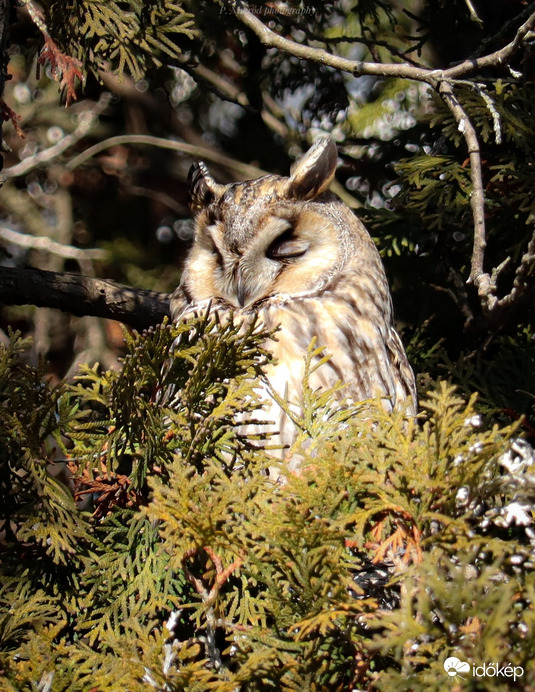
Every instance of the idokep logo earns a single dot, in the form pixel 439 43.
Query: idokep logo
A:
pixel 454 667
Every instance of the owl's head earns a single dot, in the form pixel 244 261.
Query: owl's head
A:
pixel 265 237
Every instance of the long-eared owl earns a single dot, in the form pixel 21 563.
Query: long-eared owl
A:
pixel 289 251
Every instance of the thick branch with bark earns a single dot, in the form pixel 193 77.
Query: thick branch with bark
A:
pixel 83 295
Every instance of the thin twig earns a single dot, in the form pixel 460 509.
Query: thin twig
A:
pixel 209 599
pixel 504 30
pixel 48 245
pixel 521 281
pixel 519 301
pixel 473 14
pixel 458 294
pixel 159 197
pixel 368 42
pixel 242 169
pixel 228 91
pixel 86 122
pixel 526 265
pixel 479 88
pixel 499 57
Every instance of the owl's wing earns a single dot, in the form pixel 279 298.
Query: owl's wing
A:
pixel 182 308
pixel 405 381
pixel 179 303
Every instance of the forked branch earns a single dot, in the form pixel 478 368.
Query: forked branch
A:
pixel 443 81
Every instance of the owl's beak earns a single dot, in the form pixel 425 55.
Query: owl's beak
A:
pixel 241 290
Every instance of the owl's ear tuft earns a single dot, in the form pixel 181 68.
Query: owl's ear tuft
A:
pixel 314 172
pixel 202 188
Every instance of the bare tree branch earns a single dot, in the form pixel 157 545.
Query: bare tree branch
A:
pixel 242 169
pixel 443 82
pixel 87 120
pixel 477 199
pixel 83 295
pixel 523 289
pixel 227 90
pixel 358 67
pixel 48 245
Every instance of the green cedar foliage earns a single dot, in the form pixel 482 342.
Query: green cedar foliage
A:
pixel 433 219
pixel 437 188
pixel 127 36
pixel 398 544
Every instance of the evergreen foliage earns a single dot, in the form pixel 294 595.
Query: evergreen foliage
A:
pixel 397 544
pixel 132 36
pixel 143 542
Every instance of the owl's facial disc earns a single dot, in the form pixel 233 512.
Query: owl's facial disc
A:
pixel 265 257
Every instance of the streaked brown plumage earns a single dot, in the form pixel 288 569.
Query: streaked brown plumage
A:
pixel 295 254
